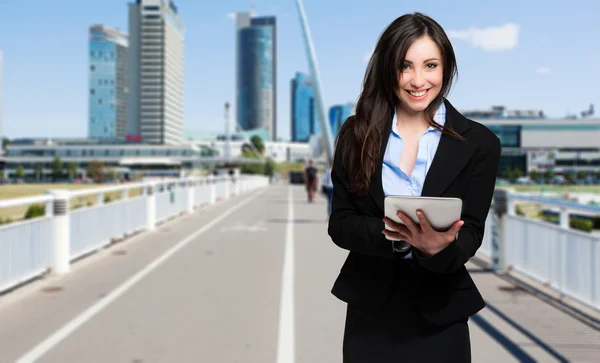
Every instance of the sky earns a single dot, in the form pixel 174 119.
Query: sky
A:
pixel 520 54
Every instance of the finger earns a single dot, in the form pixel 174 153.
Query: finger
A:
pixel 412 227
pixel 423 221
pixel 453 231
pixel 394 235
pixel 396 226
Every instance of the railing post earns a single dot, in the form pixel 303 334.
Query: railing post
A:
pixel 225 181
pixel 150 192
pixel 501 203
pixel 237 187
pixel 564 218
pixel 61 238
pixel 191 194
pixel 212 189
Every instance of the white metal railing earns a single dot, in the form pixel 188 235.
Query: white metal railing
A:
pixel 564 259
pixel 50 243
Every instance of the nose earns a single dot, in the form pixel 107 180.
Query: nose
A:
pixel 417 80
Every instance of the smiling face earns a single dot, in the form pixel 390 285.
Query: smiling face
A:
pixel 420 79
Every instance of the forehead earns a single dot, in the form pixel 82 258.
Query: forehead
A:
pixel 423 48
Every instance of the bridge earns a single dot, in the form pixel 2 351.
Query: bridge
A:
pixel 237 269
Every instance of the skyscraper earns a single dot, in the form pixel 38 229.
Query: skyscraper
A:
pixel 338 115
pixel 156 35
pixel 256 72
pixel 107 105
pixel 304 115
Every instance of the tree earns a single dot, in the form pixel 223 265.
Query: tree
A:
pixel 20 172
pixel 72 170
pixel 252 168
pixel 570 176
pixel 57 168
pixel 258 143
pixel 246 148
pixel 39 171
pixel 534 174
pixel 581 174
pixel 270 167
pixel 549 175
pixel 95 170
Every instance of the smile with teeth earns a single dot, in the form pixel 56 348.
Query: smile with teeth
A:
pixel 418 94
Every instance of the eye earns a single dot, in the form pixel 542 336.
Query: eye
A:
pixel 405 66
pixel 431 65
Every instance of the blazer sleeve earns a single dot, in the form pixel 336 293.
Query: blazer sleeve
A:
pixel 477 203
pixel 349 227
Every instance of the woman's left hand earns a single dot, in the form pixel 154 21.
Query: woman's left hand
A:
pixel 422 236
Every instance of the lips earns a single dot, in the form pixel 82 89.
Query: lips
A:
pixel 417 95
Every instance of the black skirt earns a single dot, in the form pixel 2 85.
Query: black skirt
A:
pixel 398 333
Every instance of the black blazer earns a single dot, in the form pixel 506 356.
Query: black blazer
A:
pixel 446 292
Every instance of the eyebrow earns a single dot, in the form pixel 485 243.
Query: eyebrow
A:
pixel 425 61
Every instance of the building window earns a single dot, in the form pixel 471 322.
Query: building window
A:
pixel 92 68
pixel 99 101
pixel 92 91
pixel 112 54
pixel 92 53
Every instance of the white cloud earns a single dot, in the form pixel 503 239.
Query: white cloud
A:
pixel 543 70
pixel 491 39
pixel 230 16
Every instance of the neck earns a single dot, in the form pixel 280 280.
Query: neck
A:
pixel 409 119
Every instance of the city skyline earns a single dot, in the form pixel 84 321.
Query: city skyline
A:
pixel 521 58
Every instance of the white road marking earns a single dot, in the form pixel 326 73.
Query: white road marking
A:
pixel 84 317
pixel 256 227
pixel 285 345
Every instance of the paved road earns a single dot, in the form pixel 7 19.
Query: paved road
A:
pixel 208 287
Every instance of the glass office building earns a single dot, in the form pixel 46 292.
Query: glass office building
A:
pixel 338 115
pixel 256 73
pixel 107 105
pixel 304 115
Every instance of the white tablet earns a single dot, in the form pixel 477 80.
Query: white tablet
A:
pixel 441 212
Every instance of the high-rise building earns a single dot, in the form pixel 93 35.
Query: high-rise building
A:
pixel 256 72
pixel 338 115
pixel 107 105
pixel 156 35
pixel 304 115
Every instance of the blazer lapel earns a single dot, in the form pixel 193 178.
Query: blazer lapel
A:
pixel 450 157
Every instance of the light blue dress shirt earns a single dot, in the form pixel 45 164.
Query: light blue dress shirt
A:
pixel 394 180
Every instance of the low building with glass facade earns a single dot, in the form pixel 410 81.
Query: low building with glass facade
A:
pixel 36 157
pixel 558 145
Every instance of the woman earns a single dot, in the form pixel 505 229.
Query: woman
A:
pixel 409 304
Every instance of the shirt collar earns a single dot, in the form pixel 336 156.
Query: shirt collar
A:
pixel 439 117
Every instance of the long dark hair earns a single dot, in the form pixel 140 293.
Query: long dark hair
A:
pixel 360 138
